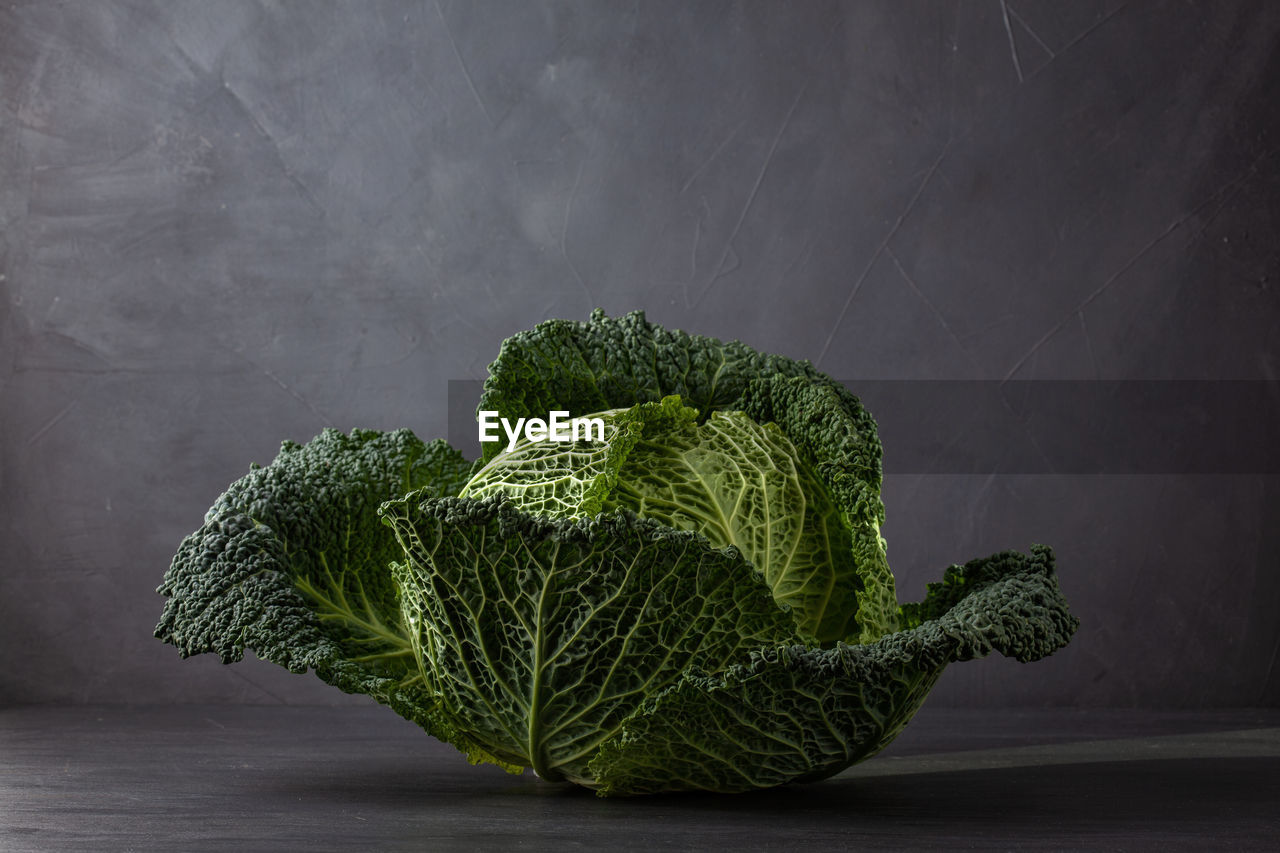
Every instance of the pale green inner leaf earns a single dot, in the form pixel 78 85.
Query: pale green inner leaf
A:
pixel 731 479
pixel 744 484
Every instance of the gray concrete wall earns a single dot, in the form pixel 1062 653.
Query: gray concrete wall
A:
pixel 226 224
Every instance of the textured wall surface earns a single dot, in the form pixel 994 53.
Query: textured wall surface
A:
pixel 226 224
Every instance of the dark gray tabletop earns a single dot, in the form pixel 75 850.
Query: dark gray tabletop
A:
pixel 271 778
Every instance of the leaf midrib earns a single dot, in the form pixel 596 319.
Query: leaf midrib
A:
pixel 535 746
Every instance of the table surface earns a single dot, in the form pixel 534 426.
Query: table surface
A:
pixel 270 778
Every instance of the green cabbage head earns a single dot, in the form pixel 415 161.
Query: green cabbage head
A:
pixel 699 601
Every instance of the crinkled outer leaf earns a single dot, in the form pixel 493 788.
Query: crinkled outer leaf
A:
pixel 293 563
pixel 838 439
pixel 614 363
pixel 799 713
pixel 540 635
pixel 572 479
pixel 743 483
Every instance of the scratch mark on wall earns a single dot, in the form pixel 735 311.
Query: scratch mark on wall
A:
pixel 995 323
pixel 751 196
pixel 1133 260
pixel 195 69
pixel 985 489
pixel 1236 185
pixel 51 423
pixel 1013 13
pixel 875 256
pixel 1013 46
pixel 802 259
pixel 1084 35
pixel 942 321
pixel 266 134
pixel 288 389
pixel 471 84
pixel 295 395
pixel 711 159
pixel 564 230
pixel 697 241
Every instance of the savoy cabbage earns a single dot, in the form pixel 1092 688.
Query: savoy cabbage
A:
pixel 699 601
